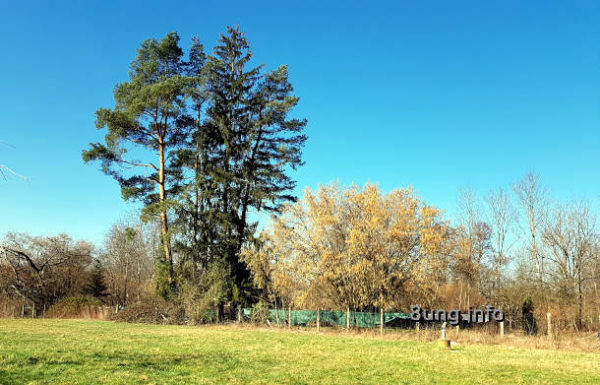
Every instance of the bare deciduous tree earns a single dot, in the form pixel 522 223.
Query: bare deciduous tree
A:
pixel 44 269
pixel 502 217
pixel 532 197
pixel 572 242
pixel 128 261
pixel 4 169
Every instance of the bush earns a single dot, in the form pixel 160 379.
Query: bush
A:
pixel 73 307
pixel 260 313
pixel 153 312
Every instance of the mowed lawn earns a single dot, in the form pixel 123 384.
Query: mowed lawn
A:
pixel 99 352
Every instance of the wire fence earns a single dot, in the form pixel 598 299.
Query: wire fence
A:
pixel 332 318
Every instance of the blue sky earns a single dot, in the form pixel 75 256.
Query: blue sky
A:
pixel 437 95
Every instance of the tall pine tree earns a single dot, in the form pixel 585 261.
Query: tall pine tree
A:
pixel 145 122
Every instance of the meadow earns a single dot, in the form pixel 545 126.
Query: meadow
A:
pixel 100 352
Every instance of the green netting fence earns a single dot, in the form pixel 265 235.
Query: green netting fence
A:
pixel 333 318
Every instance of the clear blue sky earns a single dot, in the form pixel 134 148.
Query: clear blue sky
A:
pixel 437 95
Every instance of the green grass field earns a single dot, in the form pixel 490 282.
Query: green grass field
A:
pixel 99 352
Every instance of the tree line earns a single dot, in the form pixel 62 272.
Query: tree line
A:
pixel 207 141
pixel 358 248
pixel 348 248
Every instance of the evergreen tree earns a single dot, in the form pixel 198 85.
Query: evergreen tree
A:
pixel 194 206
pixel 146 121
pixel 96 287
pixel 256 142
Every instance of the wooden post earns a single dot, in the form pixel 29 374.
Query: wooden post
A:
pixel 23 311
pixel 549 319
pixel 381 321
pixel 217 318
pixel 457 329
pixel 443 332
pixel 289 317
pixel 417 326
pixel 348 317
pixel 116 308
pixel 239 314
pixel 318 320
pixel 501 324
pixel 33 310
pixel 44 311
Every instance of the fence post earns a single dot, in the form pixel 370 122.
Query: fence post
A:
pixel 33 310
pixel 501 323
pixel 23 311
pixel 443 332
pixel 457 329
pixel 239 314
pixel 348 317
pixel 549 320
pixel 381 321
pixel 318 320
pixel 217 318
pixel 417 326
pixel 289 317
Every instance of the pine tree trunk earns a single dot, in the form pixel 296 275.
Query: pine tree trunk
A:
pixel 164 229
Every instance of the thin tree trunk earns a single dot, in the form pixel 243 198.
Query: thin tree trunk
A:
pixel 163 213
pixel 196 193
pixel 318 320
pixel 579 298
